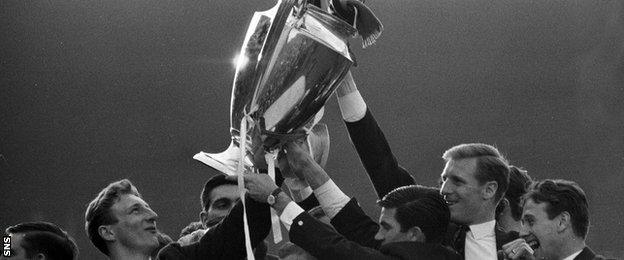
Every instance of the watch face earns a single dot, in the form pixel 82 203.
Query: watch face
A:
pixel 271 199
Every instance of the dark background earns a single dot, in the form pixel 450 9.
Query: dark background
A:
pixel 95 91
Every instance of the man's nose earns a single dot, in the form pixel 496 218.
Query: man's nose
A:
pixel 379 236
pixel 151 215
pixel 445 189
pixel 524 230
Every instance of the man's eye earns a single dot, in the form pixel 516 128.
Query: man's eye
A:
pixel 221 205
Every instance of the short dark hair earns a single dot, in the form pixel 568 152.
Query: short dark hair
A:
pixel 98 212
pixel 562 196
pixel 519 183
pixel 419 206
pixel 491 165
pixel 45 238
pixel 212 183
pixel 191 227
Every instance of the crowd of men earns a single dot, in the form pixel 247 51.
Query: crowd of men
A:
pixel 483 209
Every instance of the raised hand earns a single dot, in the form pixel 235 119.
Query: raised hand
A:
pixel 259 186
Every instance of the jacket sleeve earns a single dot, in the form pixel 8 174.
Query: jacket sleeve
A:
pixel 355 225
pixel 323 242
pixel 376 156
pixel 227 239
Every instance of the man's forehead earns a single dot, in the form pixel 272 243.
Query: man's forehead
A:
pixel 16 239
pixel 224 191
pixel 16 236
pixel 387 213
pixel 533 209
pixel 128 200
pixel 461 167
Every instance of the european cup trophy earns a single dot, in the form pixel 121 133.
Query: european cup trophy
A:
pixel 293 58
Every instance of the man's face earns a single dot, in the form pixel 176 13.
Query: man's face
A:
pixel 222 200
pixel 535 221
pixel 17 250
pixel 136 225
pixel 389 228
pixel 462 190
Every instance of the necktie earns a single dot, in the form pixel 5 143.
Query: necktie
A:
pixel 459 240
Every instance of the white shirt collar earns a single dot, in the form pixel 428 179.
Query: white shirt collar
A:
pixel 483 230
pixel 572 256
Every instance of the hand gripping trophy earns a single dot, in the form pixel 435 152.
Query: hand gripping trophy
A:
pixel 293 58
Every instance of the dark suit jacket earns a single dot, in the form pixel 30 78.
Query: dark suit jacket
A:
pixel 357 239
pixel 588 254
pixel 226 240
pixel 385 172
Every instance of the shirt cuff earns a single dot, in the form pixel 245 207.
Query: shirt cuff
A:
pixel 291 211
pixel 331 198
pixel 298 190
pixel 352 106
pixel 300 195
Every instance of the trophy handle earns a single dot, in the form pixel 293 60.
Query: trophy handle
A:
pixel 226 161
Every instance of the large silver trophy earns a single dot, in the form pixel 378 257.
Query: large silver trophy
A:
pixel 293 58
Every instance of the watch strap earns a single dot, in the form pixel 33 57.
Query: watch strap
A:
pixel 276 192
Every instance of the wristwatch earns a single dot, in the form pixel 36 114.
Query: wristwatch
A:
pixel 273 195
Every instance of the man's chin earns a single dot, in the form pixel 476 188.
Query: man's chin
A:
pixel 457 217
pixel 153 241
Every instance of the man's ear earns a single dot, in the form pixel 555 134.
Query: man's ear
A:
pixel 203 216
pixel 504 203
pixel 415 234
pixel 106 232
pixel 490 189
pixel 564 221
pixel 40 256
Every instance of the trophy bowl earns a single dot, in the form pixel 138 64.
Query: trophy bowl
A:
pixel 293 58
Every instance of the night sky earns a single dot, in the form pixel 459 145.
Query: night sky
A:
pixel 95 91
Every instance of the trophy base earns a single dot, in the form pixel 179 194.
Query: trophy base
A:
pixel 226 161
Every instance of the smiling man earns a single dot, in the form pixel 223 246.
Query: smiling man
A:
pixel 556 213
pixel 121 224
pixel 474 178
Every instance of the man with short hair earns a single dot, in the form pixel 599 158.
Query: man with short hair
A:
pixel 121 224
pixel 218 197
pixel 556 213
pixel 509 210
pixel 40 240
pixel 473 181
